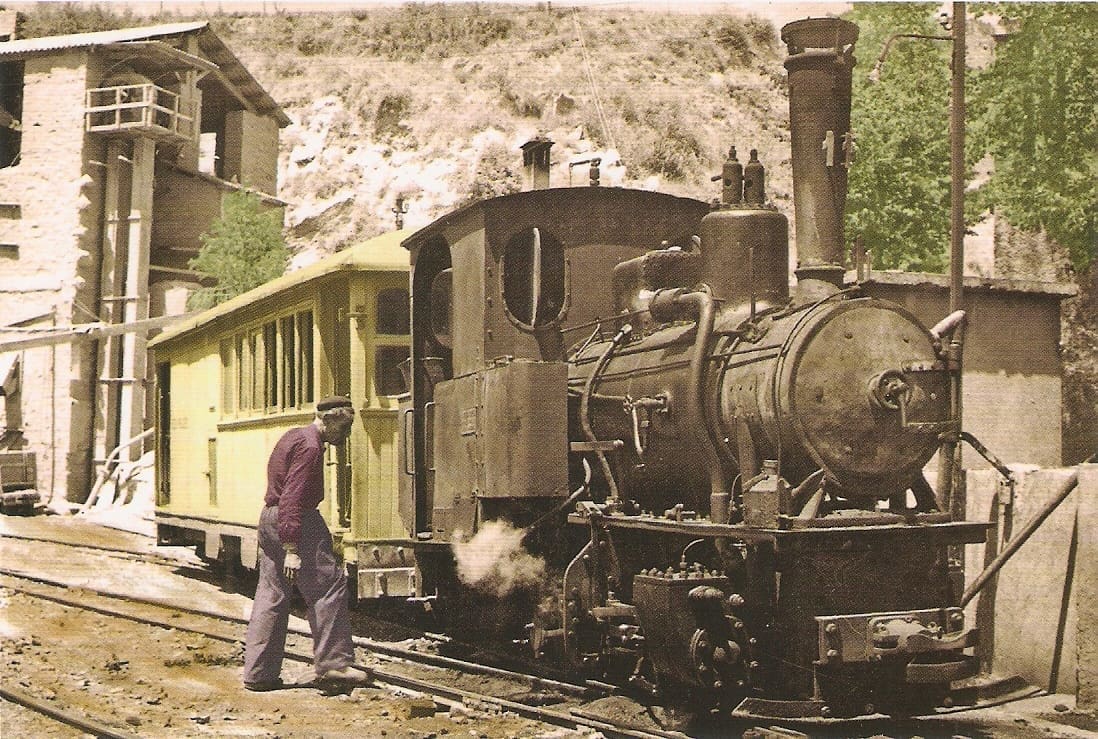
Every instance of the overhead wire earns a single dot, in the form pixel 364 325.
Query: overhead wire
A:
pixel 594 85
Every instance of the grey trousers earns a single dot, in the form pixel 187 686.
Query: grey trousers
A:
pixel 321 581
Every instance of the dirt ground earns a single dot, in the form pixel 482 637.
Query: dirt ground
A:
pixel 157 682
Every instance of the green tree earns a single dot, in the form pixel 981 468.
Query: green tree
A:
pixel 243 249
pixel 1036 111
pixel 898 198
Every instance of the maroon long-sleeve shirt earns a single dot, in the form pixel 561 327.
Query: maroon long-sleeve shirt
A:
pixel 295 479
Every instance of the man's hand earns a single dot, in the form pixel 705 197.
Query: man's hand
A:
pixel 292 564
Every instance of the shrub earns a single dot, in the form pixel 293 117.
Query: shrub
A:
pixel 497 173
pixel 243 249
pixel 392 109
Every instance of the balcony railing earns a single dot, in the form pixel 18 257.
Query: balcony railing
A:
pixel 139 110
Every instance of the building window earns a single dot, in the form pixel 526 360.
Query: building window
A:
pixel 393 316
pixel 11 113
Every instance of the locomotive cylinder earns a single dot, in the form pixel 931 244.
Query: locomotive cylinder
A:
pixel 820 63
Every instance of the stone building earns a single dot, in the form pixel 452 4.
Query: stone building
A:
pixel 116 149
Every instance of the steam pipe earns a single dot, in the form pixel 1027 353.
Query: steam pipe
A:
pixel 703 308
pixel 947 324
pixel 585 403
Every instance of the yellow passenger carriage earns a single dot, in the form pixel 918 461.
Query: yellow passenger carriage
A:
pixel 231 380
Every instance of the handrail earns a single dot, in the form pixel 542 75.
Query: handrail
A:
pixel 149 102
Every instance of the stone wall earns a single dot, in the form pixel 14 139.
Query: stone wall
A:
pixel 1011 391
pixel 54 278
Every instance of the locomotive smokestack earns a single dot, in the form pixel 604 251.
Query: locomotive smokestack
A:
pixel 821 58
pixel 535 162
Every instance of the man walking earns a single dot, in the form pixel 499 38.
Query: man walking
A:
pixel 295 548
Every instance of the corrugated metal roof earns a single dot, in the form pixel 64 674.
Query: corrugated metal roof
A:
pixel 231 70
pixel 81 40
pixel 380 254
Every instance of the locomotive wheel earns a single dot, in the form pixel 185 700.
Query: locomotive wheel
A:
pixel 718 663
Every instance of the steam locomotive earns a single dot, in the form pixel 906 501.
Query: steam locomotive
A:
pixel 720 480
pixel 627 446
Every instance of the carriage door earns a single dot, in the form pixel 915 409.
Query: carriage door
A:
pixel 163 433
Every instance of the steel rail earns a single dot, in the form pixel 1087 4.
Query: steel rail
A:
pixel 588 689
pixel 450 694
pixel 72 718
pixel 434 660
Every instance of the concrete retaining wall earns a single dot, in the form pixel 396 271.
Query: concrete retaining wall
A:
pixel 1039 618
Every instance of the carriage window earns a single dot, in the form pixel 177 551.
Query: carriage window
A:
pixel 393 315
pixel 289 358
pixel 533 278
pixel 305 346
pixel 238 354
pixel 442 308
pixel 228 377
pixel 388 378
pixel 270 365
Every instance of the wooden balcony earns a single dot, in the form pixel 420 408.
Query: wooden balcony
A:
pixel 140 110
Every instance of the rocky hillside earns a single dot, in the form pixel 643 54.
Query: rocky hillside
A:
pixel 431 104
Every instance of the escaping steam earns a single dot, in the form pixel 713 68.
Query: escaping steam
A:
pixel 495 562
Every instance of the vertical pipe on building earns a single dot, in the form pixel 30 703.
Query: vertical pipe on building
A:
pixel 111 286
pixel 132 395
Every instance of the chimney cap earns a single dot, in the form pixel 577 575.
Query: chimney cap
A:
pixel 537 142
pixel 819 33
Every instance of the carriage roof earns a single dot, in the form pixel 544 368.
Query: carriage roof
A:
pixel 379 254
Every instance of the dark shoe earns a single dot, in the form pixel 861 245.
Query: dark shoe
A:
pixel 265 686
pixel 349 675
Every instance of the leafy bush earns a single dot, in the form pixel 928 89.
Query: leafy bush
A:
pixel 55 19
pixel 243 249
pixel 391 111
pixel 497 173
pixel 668 147
pixel 733 38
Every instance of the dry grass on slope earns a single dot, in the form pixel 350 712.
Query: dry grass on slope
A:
pixel 431 103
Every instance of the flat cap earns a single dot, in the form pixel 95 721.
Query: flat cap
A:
pixel 334 401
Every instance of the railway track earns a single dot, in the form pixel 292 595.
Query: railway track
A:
pixel 400 670
pixel 589 689
pixel 567 703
